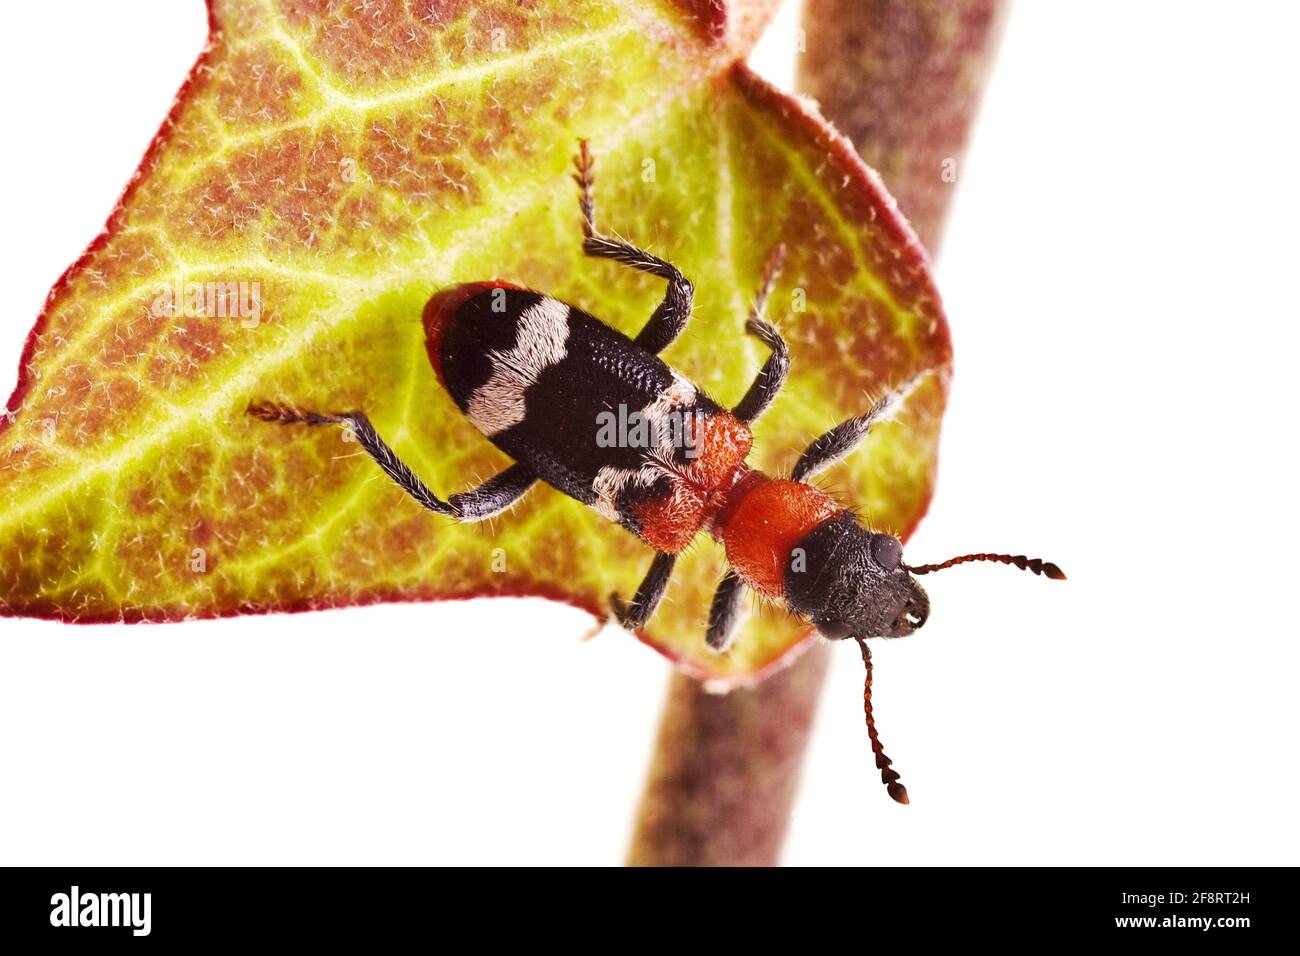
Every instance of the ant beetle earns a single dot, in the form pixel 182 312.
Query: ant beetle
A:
pixel 536 375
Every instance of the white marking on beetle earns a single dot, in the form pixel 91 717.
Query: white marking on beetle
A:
pixel 610 481
pixel 540 342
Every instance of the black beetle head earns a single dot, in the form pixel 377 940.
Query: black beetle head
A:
pixel 851 582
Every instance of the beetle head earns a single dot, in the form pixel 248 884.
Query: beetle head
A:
pixel 851 582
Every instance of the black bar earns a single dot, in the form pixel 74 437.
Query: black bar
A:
pixel 808 908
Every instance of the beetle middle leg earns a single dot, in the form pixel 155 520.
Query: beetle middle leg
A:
pixel 674 311
pixel 724 612
pixel 648 595
pixel 771 377
pixel 484 501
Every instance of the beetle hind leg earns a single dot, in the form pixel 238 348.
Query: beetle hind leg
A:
pixel 494 495
pixel 490 498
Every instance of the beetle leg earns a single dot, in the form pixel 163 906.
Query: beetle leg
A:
pixel 494 495
pixel 648 595
pixel 844 437
pixel 490 498
pixel 674 311
pixel 724 612
pixel 771 377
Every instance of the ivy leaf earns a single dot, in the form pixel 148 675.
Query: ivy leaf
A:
pixel 327 166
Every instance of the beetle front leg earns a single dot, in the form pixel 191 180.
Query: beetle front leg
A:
pixel 490 498
pixel 674 311
pixel 648 595
pixel 844 437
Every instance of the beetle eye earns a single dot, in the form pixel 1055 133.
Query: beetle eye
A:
pixel 887 551
pixel 832 630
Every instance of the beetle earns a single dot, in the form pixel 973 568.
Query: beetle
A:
pixel 539 377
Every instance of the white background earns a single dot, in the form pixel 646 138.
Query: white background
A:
pixel 1120 276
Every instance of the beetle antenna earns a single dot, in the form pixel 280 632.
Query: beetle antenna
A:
pixel 888 775
pixel 1037 565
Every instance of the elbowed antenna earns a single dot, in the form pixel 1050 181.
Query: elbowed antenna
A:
pixel 1037 565
pixel 888 775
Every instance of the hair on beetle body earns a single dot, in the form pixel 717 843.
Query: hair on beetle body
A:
pixel 539 378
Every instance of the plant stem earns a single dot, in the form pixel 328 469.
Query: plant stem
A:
pixel 901 79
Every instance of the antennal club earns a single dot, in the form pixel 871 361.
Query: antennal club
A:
pixel 1037 565
pixel 888 775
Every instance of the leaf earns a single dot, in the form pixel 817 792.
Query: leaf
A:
pixel 344 160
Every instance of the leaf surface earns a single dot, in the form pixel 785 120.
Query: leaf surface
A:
pixel 328 166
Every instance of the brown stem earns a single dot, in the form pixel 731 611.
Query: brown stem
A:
pixel 723 766
pixel 901 78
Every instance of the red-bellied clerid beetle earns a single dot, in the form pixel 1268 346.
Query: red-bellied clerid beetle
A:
pixel 538 378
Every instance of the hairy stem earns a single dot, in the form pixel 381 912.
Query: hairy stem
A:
pixel 901 79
